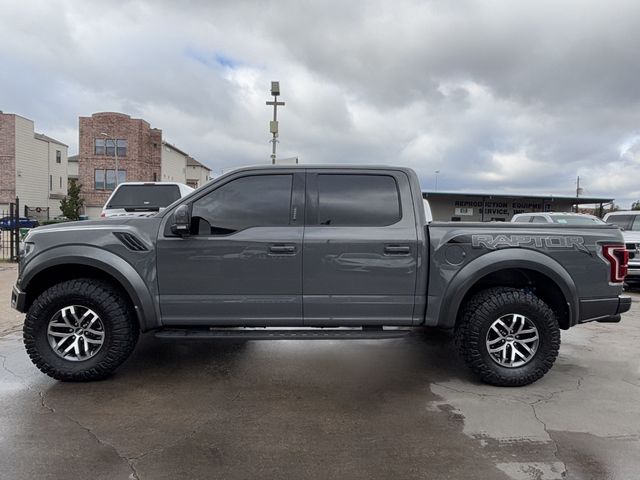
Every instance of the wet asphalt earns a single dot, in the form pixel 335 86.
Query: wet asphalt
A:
pixel 402 408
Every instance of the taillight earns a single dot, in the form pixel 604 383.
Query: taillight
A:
pixel 618 258
pixel 103 214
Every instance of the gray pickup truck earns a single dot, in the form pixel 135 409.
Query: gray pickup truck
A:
pixel 334 252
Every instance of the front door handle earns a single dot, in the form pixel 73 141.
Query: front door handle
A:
pixel 397 250
pixel 282 249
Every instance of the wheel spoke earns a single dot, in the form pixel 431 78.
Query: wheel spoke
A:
pixel 498 349
pixel 65 318
pixel 526 347
pixel 97 333
pixel 519 353
pixel 525 332
pixel 64 340
pixel 494 341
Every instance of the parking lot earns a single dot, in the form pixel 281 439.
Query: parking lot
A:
pixel 403 408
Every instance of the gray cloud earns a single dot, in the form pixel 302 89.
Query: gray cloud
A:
pixel 497 96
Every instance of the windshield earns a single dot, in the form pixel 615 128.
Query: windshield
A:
pixel 144 196
pixel 576 220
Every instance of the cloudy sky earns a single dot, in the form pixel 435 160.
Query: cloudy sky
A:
pixel 498 96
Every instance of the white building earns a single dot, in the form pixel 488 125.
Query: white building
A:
pixel 178 166
pixel 33 167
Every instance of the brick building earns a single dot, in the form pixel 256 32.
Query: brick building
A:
pixel 138 153
pixel 141 153
pixel 33 167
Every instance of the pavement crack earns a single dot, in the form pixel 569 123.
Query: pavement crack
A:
pixel 556 447
pixel 129 461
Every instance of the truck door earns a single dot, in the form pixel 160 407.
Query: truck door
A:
pixel 242 262
pixel 360 248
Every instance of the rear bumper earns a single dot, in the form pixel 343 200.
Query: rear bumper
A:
pixel 606 310
pixel 18 299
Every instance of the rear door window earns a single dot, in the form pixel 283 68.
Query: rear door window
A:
pixel 635 225
pixel 358 200
pixel 621 221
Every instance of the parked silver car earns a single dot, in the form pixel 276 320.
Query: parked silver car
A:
pixel 629 223
pixel 563 218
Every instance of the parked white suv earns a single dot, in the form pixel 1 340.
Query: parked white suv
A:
pixel 564 218
pixel 141 198
pixel 629 223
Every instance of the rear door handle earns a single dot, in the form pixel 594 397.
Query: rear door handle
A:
pixel 282 249
pixel 397 249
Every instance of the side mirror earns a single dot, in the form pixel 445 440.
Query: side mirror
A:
pixel 181 220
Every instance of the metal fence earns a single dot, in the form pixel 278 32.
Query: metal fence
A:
pixel 10 232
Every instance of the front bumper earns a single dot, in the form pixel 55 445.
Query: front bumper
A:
pixel 18 299
pixel 605 310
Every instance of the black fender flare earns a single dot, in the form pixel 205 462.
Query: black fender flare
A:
pixel 508 258
pixel 147 310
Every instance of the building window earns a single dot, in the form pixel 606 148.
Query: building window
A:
pixel 60 182
pixel 58 156
pixel 122 147
pixel 106 179
pixel 99 179
pixel 108 147
pixel 50 182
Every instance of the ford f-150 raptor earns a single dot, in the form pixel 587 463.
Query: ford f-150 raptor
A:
pixel 340 252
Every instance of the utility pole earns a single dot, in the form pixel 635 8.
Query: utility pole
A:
pixel 578 191
pixel 273 125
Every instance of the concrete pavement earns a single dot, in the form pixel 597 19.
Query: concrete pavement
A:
pixel 404 408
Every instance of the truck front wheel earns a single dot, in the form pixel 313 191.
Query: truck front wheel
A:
pixel 508 337
pixel 79 330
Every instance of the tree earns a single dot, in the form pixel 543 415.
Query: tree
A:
pixel 635 205
pixel 72 203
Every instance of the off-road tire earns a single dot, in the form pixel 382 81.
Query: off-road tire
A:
pixel 481 311
pixel 120 330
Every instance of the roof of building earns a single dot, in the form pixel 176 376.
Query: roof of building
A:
pixel 576 200
pixel 45 138
pixel 73 158
pixel 173 147
pixel 192 162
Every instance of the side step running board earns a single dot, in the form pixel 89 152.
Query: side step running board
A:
pixel 266 334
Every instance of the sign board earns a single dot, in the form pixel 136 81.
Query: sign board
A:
pixel 464 211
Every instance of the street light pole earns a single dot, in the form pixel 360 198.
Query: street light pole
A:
pixel 437 172
pixel 273 125
pixel 115 152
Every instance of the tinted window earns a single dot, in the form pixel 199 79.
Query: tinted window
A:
pixel 357 200
pixel 261 200
pixel 151 196
pixel 621 221
pixel 636 223
pixel 522 219
pixel 539 219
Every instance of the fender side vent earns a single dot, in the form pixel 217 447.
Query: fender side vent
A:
pixel 132 242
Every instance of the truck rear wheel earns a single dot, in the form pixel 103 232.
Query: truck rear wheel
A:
pixel 79 330
pixel 508 337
